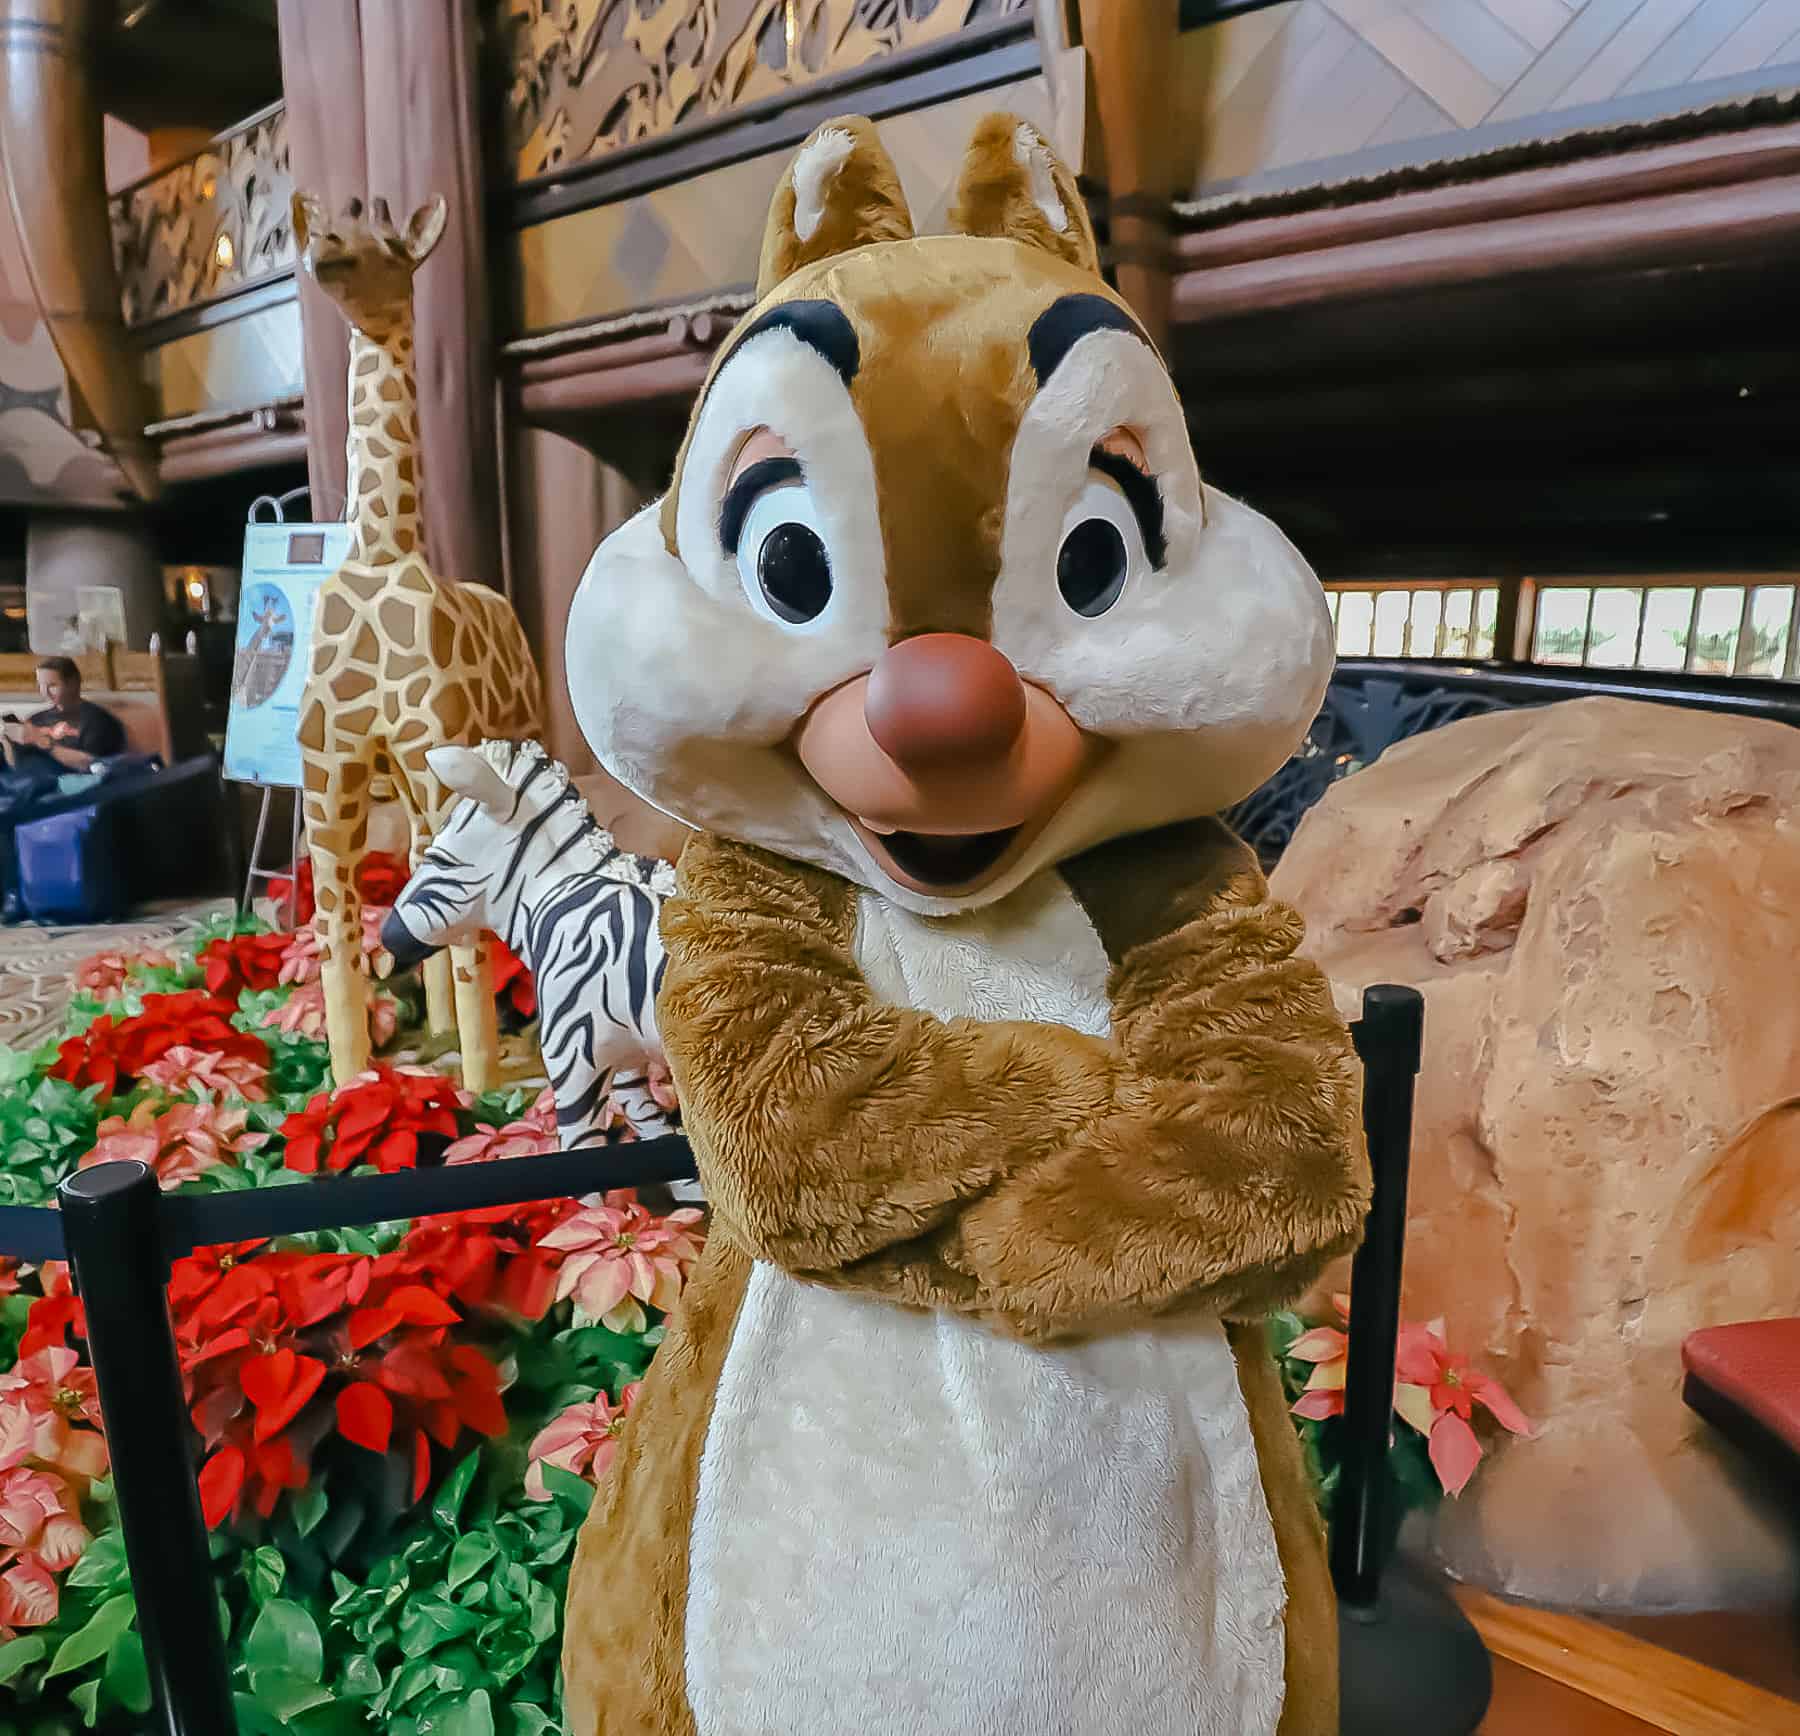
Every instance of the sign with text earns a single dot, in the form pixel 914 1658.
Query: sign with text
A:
pixel 284 566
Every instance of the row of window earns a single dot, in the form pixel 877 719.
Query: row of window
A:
pixel 1440 621
pixel 1745 629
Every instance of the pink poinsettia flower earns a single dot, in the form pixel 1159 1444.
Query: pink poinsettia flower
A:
pixel 1450 1390
pixel 36 1516
pixel 181 1143
pixel 532 1135
pixel 43 1400
pixel 104 974
pixel 661 1084
pixel 582 1441
pixel 300 963
pixel 29 1595
pixel 302 1014
pixel 619 1255
pixel 183 1070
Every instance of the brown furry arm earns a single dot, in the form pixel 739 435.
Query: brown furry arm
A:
pixel 1207 1153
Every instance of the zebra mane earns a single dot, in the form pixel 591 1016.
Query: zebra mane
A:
pixel 594 847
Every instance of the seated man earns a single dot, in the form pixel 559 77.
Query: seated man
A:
pixel 69 735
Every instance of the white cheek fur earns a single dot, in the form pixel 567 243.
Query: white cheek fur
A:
pixel 1214 664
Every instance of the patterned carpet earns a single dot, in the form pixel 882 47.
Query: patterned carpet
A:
pixel 35 963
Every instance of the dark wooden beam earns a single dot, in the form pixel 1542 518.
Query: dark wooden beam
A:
pixel 321 70
pixel 383 101
pixel 422 99
pixel 53 165
pixel 1130 47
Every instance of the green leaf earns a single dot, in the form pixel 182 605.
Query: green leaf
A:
pixel 471 1554
pixel 362 1677
pixel 21 1655
pixel 127 1675
pixel 474 1717
pixel 571 1492
pixel 285 1640
pixel 102 1566
pixel 451 1497
pixel 284 1694
pixel 267 1572
pixel 93 1641
pixel 86 1700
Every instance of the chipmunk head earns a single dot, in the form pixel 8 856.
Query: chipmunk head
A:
pixel 937 597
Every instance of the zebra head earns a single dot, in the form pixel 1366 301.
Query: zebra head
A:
pixel 519 816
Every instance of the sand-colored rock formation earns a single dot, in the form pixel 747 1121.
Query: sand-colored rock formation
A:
pixel 1601 903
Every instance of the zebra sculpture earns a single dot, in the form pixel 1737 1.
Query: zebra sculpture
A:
pixel 521 857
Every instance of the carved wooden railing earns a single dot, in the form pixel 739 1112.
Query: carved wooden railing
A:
pixel 208 226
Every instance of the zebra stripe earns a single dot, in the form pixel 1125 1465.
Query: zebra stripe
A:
pixel 546 877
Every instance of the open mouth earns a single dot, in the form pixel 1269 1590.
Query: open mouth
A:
pixel 947 860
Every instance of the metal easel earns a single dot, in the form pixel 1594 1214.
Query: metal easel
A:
pixel 277 504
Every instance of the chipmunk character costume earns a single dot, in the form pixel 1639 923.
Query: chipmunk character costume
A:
pixel 1014 1106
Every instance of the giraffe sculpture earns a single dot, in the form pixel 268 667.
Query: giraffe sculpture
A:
pixel 403 661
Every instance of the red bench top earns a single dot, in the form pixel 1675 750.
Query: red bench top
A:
pixel 1755 1366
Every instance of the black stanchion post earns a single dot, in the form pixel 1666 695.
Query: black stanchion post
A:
pixel 111 1223
pixel 1409 1660
pixel 1389 1040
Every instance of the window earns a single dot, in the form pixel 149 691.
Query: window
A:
pixel 1424 620
pixel 1696 626
pixel 1731 624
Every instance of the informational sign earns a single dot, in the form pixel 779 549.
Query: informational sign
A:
pixel 284 566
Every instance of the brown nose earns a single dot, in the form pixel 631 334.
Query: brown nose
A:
pixel 943 697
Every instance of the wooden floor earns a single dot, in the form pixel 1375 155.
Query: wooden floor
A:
pixel 1563 1675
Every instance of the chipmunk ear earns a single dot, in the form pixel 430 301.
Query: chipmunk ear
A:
pixel 1014 186
pixel 841 191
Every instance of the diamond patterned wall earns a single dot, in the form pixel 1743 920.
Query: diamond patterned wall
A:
pixel 688 240
pixel 1342 85
pixel 239 365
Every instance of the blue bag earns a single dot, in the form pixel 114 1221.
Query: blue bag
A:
pixel 69 869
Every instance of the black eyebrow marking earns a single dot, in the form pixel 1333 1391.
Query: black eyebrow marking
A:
pixel 1143 497
pixel 822 326
pixel 764 474
pixel 1069 319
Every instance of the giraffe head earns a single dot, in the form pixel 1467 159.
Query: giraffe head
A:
pixel 362 261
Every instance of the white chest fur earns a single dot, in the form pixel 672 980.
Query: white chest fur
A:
pixel 908 1524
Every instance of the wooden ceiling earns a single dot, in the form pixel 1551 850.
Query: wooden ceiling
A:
pixel 1591 361
pixel 191 63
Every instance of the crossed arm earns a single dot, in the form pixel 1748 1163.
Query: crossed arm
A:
pixel 1207 1154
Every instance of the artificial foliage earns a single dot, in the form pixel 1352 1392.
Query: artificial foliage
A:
pixel 397 1428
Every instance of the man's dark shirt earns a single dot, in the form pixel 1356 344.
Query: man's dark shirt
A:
pixel 89 727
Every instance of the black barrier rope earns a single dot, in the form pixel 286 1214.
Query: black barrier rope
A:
pixel 191 1221
pixel 32 1234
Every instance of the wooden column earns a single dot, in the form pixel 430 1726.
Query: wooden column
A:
pixel 383 101
pixel 321 76
pixel 53 176
pixel 1131 60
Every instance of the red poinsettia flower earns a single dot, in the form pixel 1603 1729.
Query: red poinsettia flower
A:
pixel 513 984
pixel 54 1313
pixel 110 1052
pixel 377 1118
pixel 379 877
pixel 243 961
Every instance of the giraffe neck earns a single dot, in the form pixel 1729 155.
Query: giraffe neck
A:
pixel 381 496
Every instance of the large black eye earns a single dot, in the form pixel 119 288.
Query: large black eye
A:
pixel 794 572
pixel 1091 566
